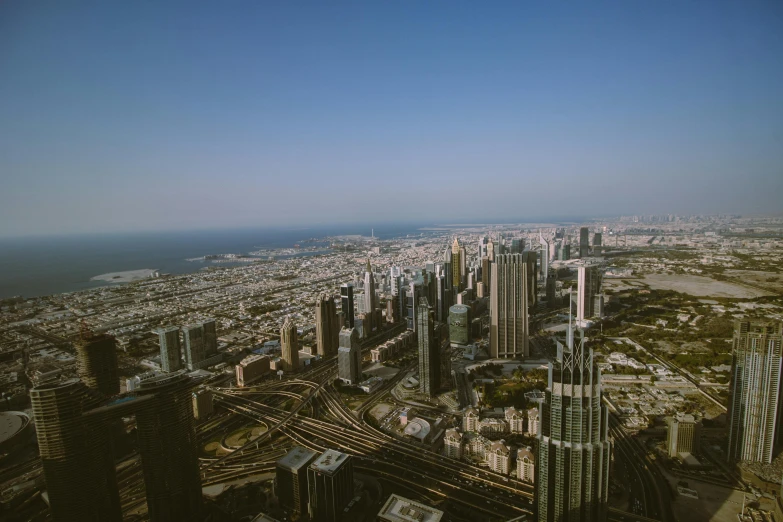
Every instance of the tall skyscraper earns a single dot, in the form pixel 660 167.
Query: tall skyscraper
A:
pixel 412 295
pixel 574 450
pixel 456 267
pixel 531 258
pixel 486 271
pixel 491 251
pixel 589 284
pixel 327 329
pixel 463 266
pixel 755 412
pixel 195 345
pixel 210 338
pixel 330 485
pixel 291 479
pixel 516 246
pixel 482 247
pixel 369 298
pixel 544 256
pixel 346 299
pixel 447 270
pixel 429 350
pixel 551 290
pixel 584 242
pixel 76 454
pixel 96 358
pixel 289 343
pixel 170 349
pixel 508 328
pixel 169 449
pixel 349 357
pixel 597 239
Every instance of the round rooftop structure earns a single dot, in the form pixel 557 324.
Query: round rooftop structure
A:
pixel 13 425
pixel 417 428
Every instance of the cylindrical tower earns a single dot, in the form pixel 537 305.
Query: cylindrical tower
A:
pixel 96 357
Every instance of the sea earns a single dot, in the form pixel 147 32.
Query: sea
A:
pixel 40 266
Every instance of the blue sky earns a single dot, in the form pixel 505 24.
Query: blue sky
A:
pixel 172 115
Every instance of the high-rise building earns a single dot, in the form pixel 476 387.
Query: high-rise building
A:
pixel 169 448
pixel 447 268
pixel 289 344
pixel 291 479
pixel 589 284
pixel 491 251
pixel 516 246
pixel 526 464
pixel 456 267
pixel 170 350
pixel 544 256
pixel 330 485
pixel 195 346
pixel 349 357
pixel 327 329
pixel 76 454
pixel 463 266
pixel 486 271
pixel 442 303
pixel 210 338
pixel 531 258
pixel 551 290
pixel 96 358
pixel 755 412
pixel 584 242
pixel 459 324
pixel 414 292
pixel 499 457
pixel 429 350
pixel 202 403
pixel 369 297
pixel 597 239
pixel 565 253
pixel 682 435
pixel 574 450
pixel 508 328
pixel 346 300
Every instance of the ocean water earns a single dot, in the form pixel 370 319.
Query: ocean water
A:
pixel 39 266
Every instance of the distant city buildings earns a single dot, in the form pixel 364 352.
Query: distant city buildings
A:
pixel 755 412
pixel 508 330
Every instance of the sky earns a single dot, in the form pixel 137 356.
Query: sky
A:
pixel 146 115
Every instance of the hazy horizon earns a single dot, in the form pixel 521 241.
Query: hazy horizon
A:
pixel 117 118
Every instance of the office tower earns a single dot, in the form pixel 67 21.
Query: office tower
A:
pixel 202 403
pixel 447 270
pixel 289 343
pixel 369 298
pixel 96 359
pixel 392 305
pixel 551 290
pixel 327 328
pixel 565 253
pixel 456 267
pixel 508 328
pixel 170 351
pixel 486 271
pixel 429 350
pixel 463 266
pixel 169 448
pixel 330 485
pixel 482 247
pixel 597 239
pixel 397 282
pixel 471 279
pixel 584 242
pixel 491 251
pixel 291 479
pixel 682 435
pixel 544 256
pixel 195 348
pixel 516 246
pixel 412 296
pixel 401 509
pixel 755 412
pixel 574 450
pixel 531 258
pixel 210 338
pixel 346 299
pixel 589 284
pixel 459 324
pixel 75 455
pixel 349 357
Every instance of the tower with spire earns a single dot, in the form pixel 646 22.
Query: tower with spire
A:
pixel 369 298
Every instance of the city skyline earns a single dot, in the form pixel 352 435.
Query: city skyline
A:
pixel 115 132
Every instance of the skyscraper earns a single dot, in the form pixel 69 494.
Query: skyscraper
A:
pixel 755 412
pixel 447 270
pixel 531 258
pixel 349 357
pixel 429 350
pixel 291 479
pixel 491 251
pixel 346 299
pixel 589 284
pixel 75 454
pixel 413 294
pixel 551 290
pixel 170 350
pixel 508 328
pixel 486 271
pixel 289 343
pixel 369 298
pixel 456 267
pixel 459 324
pixel 574 450
pixel 584 242
pixel 330 485
pixel 544 256
pixel 463 266
pixel 195 345
pixel 482 247
pixel 327 330
pixel 210 338
pixel 96 358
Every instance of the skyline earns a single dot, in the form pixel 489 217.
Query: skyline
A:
pixel 121 118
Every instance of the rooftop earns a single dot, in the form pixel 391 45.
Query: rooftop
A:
pixel 296 458
pixel 329 461
pixel 401 509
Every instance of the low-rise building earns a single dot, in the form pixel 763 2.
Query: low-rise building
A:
pixel 401 509
pixel 492 427
pixel 252 368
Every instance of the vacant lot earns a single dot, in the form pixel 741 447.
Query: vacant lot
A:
pixel 701 286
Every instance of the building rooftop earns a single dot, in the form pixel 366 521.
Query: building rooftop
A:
pixel 401 509
pixel 296 458
pixel 329 461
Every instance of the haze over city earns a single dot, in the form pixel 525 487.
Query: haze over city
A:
pixel 183 115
